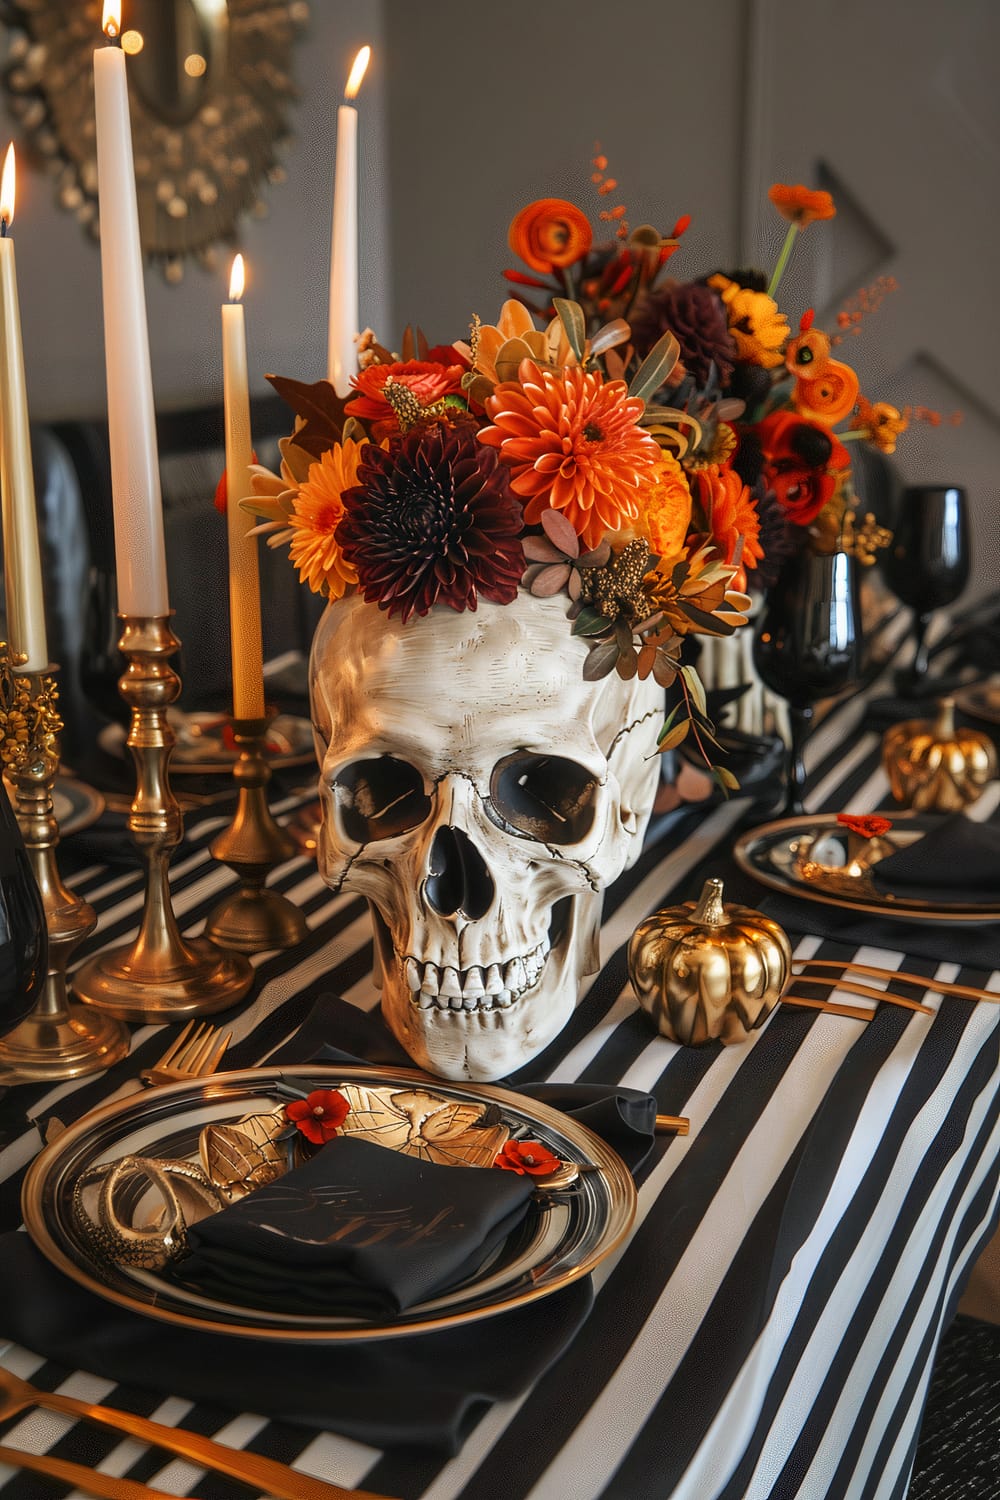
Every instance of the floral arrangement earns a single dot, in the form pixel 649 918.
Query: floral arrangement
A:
pixel 645 450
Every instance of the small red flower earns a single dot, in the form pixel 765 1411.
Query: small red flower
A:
pixel 869 825
pixel 319 1115
pixel 529 1157
pixel 222 489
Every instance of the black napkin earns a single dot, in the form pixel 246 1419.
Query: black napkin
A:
pixel 427 1390
pixel 975 945
pixel 357 1229
pixel 957 860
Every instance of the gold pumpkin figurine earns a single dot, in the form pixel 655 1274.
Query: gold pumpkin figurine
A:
pixel 708 970
pixel 935 767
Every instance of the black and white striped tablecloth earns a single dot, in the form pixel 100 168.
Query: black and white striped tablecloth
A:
pixel 768 1328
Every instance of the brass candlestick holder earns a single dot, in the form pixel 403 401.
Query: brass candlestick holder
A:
pixel 162 976
pixel 59 1039
pixel 254 919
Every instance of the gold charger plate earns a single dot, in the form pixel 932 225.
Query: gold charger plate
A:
pixel 201 751
pixel 770 854
pixel 566 1234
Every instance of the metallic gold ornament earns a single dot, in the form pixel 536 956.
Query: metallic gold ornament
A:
pixel 709 970
pixel 936 767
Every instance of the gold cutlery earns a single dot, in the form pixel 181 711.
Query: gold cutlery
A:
pixel 936 986
pixel 90 1481
pixel 197 1052
pixel 867 991
pixel 271 1478
pixel 832 1008
pixel 679 1124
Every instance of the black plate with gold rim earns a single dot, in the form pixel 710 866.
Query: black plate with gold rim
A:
pixel 773 854
pixel 566 1234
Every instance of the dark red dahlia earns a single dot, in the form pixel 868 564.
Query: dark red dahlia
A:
pixel 696 317
pixel 433 520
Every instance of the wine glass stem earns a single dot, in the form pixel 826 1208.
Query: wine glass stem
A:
pixel 918 670
pixel 800 718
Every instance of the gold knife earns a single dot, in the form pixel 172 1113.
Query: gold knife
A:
pixel 273 1478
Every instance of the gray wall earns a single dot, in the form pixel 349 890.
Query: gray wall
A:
pixel 288 252
pixel 470 110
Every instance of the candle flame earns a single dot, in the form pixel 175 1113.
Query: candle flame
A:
pixel 357 73
pixel 7 188
pixel 111 22
pixel 237 279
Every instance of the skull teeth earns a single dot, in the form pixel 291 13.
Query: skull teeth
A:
pixel 479 987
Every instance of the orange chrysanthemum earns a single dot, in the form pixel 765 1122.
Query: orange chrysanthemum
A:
pixel 801 205
pixel 550 232
pixel 665 509
pixel 573 443
pixel 317 513
pixel 730 512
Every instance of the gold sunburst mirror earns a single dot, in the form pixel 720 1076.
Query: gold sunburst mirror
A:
pixel 210 85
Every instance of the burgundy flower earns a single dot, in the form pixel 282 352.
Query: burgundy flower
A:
pixel 696 317
pixel 320 1115
pixel 527 1157
pixel 433 520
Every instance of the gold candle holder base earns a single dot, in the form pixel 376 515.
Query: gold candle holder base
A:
pixel 162 976
pixel 59 1039
pixel 253 919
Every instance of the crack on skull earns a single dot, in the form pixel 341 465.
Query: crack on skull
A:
pixel 654 713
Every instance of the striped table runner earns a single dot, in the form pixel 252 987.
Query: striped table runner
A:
pixel 769 1327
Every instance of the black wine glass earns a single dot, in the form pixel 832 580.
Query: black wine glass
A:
pixel 927 563
pixel 23 933
pixel 807 644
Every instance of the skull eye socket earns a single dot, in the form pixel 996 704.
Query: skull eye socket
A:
pixel 379 799
pixel 544 797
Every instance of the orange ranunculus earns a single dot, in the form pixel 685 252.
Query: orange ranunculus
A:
pixel 428 381
pixel 550 232
pixel 317 512
pixel 665 508
pixel 573 443
pixel 828 395
pixel 807 353
pixel 730 512
pixel 801 205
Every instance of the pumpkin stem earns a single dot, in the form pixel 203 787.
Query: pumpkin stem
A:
pixel 944 729
pixel 710 911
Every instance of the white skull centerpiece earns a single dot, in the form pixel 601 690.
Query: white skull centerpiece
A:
pixel 481 795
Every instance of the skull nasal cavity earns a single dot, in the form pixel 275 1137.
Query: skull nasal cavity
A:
pixel 458 880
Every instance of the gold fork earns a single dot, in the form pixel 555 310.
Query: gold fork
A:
pixel 196 1052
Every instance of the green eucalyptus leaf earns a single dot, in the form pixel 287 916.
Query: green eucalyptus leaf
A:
pixel 695 688
pixel 573 321
pixel 589 622
pixel 655 367
pixel 676 736
pixel 600 661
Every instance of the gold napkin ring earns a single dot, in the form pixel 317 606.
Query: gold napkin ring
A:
pixel 184 1193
